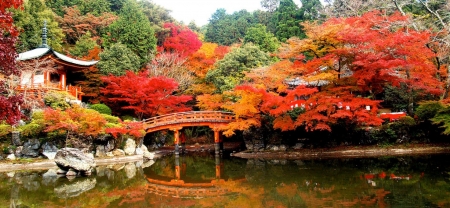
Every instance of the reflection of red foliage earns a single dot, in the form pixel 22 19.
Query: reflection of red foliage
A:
pixel 383 175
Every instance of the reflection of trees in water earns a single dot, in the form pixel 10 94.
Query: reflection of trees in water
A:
pixel 40 189
pixel 307 183
pixel 198 167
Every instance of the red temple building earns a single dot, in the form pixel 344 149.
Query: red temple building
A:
pixel 44 69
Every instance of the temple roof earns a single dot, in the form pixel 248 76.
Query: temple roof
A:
pixel 39 52
pixel 45 49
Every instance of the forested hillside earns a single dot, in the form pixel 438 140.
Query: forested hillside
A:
pixel 323 71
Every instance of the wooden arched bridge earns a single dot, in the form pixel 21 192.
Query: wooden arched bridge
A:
pixel 176 121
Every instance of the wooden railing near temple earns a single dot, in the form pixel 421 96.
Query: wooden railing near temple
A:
pixel 39 90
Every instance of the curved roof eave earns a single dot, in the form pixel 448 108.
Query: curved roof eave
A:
pixel 38 52
pixel 74 61
pixel 32 54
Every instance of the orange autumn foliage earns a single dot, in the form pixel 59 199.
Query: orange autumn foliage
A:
pixel 204 59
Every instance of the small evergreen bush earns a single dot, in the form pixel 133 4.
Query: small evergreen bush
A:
pixel 101 108
pixel 58 99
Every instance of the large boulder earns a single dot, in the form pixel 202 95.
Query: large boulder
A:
pixel 130 147
pixel 149 155
pixel 118 152
pixel 100 151
pixel 67 158
pixel 15 138
pixel 31 148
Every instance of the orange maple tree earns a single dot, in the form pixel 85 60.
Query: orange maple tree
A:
pixel 335 75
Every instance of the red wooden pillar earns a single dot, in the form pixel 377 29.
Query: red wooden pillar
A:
pixel 62 81
pixel 183 142
pixel 46 78
pixel 176 140
pixel 177 167
pixel 219 167
pixel 217 141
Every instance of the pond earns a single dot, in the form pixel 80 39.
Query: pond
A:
pixel 209 181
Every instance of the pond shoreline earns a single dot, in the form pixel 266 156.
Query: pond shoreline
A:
pixel 49 164
pixel 348 152
pixel 319 153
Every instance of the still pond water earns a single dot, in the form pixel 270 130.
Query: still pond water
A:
pixel 207 181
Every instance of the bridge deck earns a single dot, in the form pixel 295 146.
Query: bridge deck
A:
pixel 191 118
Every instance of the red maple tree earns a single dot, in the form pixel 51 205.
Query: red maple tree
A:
pixel 9 99
pixel 144 96
pixel 181 40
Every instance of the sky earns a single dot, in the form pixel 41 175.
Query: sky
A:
pixel 201 10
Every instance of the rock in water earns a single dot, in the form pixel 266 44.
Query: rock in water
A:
pixel 76 188
pixel 130 147
pixel 67 158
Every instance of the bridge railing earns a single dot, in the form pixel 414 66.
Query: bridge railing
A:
pixel 191 116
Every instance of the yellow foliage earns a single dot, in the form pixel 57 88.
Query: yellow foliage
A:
pixel 208 49
pixel 210 102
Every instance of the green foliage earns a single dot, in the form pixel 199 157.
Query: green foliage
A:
pixel 117 59
pixel 310 10
pixel 112 121
pixel 442 118
pixel 400 131
pixel 287 20
pixel 259 36
pixel 397 97
pixel 226 29
pixel 30 22
pixel 35 127
pixel 128 118
pixel 427 110
pixel 403 96
pixel 230 70
pixel 58 6
pixel 5 129
pixel 94 7
pixel 101 108
pixel 84 45
pixel 157 16
pixel 58 99
pixel 134 30
pixel 383 135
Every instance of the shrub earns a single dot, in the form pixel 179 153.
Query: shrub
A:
pixel 428 110
pixel 112 119
pixel 101 108
pixel 5 130
pixel 128 118
pixel 442 118
pixel 35 126
pixel 58 99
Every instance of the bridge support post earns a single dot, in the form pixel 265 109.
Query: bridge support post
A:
pixel 183 142
pixel 219 167
pixel 218 146
pixel 177 167
pixel 176 141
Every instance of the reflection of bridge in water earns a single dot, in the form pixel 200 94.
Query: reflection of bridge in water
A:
pixel 182 187
pixel 176 121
